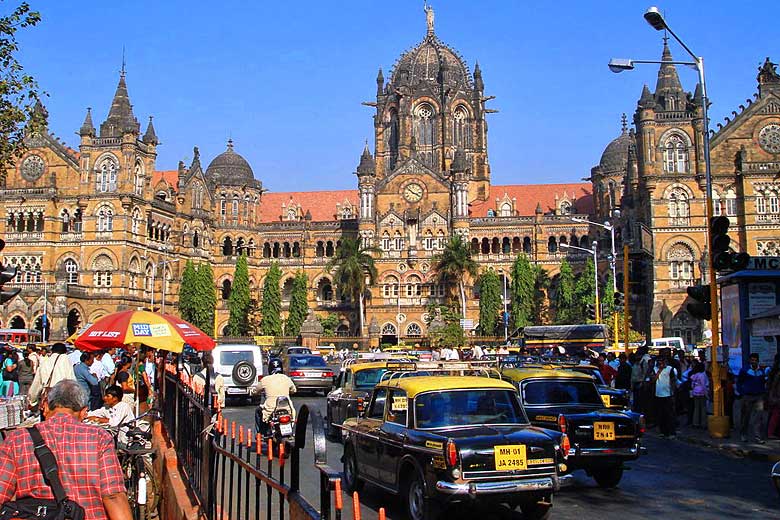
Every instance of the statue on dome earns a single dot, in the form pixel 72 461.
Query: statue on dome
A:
pixel 428 16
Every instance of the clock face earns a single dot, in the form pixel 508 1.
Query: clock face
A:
pixel 32 167
pixel 769 138
pixel 413 192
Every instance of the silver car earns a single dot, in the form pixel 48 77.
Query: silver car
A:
pixel 309 372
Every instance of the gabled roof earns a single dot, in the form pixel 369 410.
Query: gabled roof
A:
pixel 169 176
pixel 527 196
pixel 321 204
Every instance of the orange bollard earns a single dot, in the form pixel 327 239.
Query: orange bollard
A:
pixel 381 513
pixel 248 437
pixel 241 434
pixel 225 425
pixel 355 506
pixel 270 450
pixel 258 444
pixel 233 430
pixel 338 494
pixel 281 454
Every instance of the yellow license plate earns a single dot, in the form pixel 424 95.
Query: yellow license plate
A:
pixel 510 457
pixel 607 400
pixel 604 431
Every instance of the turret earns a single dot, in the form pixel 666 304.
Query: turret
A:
pixel 120 118
pixel 150 137
pixel 768 79
pixel 87 128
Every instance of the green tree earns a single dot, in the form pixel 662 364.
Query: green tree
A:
pixel 299 305
pixel 541 285
pixel 585 292
pixel 187 291
pixel 522 293
pixel 204 300
pixel 354 271
pixel 489 302
pixel 451 336
pixel 271 307
pixel 607 297
pixel 329 324
pixel 565 312
pixel 239 300
pixel 633 335
pixel 20 110
pixel 453 265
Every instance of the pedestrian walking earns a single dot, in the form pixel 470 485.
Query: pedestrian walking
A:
pixel 88 467
pixel 751 388
pixel 26 373
pixel 665 387
pixel 88 381
pixel 700 389
pixel 10 385
pixel 52 369
pixel 624 371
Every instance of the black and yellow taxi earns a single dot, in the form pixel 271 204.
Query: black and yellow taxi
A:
pixel 438 439
pixel 353 387
pixel 612 397
pixel 602 438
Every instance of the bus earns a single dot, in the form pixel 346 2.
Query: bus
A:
pixel 20 336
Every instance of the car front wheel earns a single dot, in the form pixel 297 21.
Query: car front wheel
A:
pixel 418 505
pixel 536 510
pixel 608 477
pixel 351 481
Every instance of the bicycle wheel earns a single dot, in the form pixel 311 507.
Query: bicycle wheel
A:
pixel 146 511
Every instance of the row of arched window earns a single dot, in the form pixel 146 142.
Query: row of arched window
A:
pixel 158 231
pixel 24 221
pixel 413 287
pixel 233 207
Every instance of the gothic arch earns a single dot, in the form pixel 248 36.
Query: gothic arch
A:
pixel 96 254
pixel 661 142
pixel 678 185
pixel 682 240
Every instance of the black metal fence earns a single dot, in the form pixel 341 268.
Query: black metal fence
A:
pixel 232 472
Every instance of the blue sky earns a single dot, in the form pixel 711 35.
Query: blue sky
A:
pixel 285 79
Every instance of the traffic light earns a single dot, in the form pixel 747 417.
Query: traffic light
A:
pixel 701 308
pixel 723 256
pixel 591 312
pixel 620 301
pixel 6 275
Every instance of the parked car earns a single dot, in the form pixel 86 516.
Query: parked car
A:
pixel 440 439
pixel 242 367
pixel 612 397
pixel 602 439
pixel 309 372
pixel 352 389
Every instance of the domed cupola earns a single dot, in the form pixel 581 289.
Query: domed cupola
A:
pixel 430 61
pixel 230 169
pixel 615 156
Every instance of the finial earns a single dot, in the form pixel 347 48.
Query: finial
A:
pixel 624 122
pixel 429 16
pixel 230 144
pixel 122 72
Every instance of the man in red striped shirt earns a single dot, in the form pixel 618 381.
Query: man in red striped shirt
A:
pixel 87 461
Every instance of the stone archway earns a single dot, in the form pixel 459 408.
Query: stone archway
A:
pixel 74 321
pixel 17 322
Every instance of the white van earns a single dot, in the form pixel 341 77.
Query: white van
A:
pixel 673 343
pixel 242 367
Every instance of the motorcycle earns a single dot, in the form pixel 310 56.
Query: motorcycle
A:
pixel 280 425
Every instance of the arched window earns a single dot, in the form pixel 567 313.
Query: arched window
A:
pixel 731 203
pixel 505 210
pixel 234 206
pixel 77 223
pixel 226 289
pixel 413 330
pixel 388 329
pixel 386 242
pixel 760 204
pixel 148 278
pixel 527 248
pixel 774 207
pixel 680 259
pixel 565 207
pixel 292 214
pixel 103 268
pixel 679 207
pixel 135 270
pixel 506 246
pixel 428 240
pixel 613 195
pixel 105 219
pixel 398 241
pixel 424 133
pixel 239 246
pixel 223 205
pixel 135 223
pixel 227 246
pixel 196 239
pixel 72 271
pixel 392 139
pixel 675 154
pixel 390 287
pixel 250 247
pixel 329 250
pixel 139 178
pixel 325 290
pixel 287 288
pixel 319 251
pixel 197 198
pixel 346 212
pixel 461 134
pixel 413 287
pixel 441 240
pixel 106 176
pixel 552 245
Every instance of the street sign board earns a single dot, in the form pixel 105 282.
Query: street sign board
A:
pixel 264 341
pixel 466 324
pixel 764 263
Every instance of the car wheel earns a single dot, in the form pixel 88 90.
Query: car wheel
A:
pixel 418 505
pixel 537 510
pixel 351 481
pixel 608 477
pixel 244 373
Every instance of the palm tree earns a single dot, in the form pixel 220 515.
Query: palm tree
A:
pixel 453 264
pixel 354 270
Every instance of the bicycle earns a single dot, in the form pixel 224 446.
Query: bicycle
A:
pixel 135 459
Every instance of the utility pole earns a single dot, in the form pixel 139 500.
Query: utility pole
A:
pixel 626 286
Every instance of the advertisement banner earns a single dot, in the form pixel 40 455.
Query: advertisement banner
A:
pixel 731 325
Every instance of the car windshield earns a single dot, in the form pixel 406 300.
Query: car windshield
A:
pixel 368 377
pixel 307 361
pixel 467 408
pixel 231 357
pixel 560 392
pixel 298 350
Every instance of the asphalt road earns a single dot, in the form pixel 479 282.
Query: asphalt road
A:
pixel 675 480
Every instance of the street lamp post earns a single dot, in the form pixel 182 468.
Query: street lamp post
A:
pixel 595 252
pixel 611 228
pixel 718 422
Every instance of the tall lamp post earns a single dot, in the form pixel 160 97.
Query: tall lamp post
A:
pixel 595 252
pixel 718 422
pixel 611 228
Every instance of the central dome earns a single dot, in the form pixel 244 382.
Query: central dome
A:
pixel 615 156
pixel 424 62
pixel 230 168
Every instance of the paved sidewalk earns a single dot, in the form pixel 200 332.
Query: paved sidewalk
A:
pixel 770 451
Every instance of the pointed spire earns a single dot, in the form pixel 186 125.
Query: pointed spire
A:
pixel 697 94
pixel 150 137
pixel 647 100
pixel 39 118
pixel 380 82
pixel 367 165
pixel 120 118
pixel 87 128
pixel 669 93
pixel 478 83
pixel 539 209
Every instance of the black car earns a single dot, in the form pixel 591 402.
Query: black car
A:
pixel 602 439
pixel 440 439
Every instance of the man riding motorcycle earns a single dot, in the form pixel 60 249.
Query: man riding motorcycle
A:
pixel 272 386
